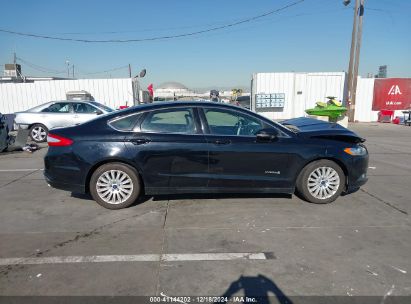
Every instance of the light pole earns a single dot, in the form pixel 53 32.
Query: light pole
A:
pixel 68 68
pixel 354 56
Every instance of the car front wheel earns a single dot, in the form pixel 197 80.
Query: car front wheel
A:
pixel 38 133
pixel 115 185
pixel 321 182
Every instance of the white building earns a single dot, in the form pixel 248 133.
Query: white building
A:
pixel 172 89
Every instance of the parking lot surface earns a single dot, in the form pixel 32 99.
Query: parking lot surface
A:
pixel 57 243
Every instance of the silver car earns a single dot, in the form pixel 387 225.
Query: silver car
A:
pixel 56 114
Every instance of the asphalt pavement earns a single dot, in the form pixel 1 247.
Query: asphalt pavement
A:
pixel 57 243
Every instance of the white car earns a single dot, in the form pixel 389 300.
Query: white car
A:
pixel 57 114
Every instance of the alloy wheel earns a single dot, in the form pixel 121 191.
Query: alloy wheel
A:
pixel 323 182
pixel 38 133
pixel 114 186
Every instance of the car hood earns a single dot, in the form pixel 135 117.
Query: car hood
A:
pixel 314 128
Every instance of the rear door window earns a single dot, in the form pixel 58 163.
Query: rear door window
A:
pixel 179 120
pixel 125 123
pixel 101 106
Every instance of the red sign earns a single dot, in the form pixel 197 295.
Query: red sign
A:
pixel 392 94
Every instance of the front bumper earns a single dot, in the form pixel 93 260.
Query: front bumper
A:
pixel 358 183
pixel 357 172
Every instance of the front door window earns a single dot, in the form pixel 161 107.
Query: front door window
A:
pixel 84 108
pixel 223 122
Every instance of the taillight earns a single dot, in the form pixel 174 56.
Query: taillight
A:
pixel 58 141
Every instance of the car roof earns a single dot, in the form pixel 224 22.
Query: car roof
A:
pixel 166 104
pixel 70 100
pixel 171 104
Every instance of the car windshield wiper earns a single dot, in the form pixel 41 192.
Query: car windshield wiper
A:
pixel 291 127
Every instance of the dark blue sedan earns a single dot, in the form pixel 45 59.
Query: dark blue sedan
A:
pixel 203 147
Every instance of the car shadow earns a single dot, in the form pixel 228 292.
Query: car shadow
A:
pixel 83 196
pixel 257 289
pixel 174 197
pixel 351 191
pixel 189 196
pixel 87 196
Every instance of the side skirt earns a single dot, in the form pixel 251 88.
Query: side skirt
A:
pixel 166 190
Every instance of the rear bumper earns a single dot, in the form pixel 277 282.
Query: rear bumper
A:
pixel 76 188
pixel 63 170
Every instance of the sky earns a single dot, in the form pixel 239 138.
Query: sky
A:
pixel 312 36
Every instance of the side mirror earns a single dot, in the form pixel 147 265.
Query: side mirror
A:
pixel 99 112
pixel 267 134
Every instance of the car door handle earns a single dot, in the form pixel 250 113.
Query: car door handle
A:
pixel 139 141
pixel 222 141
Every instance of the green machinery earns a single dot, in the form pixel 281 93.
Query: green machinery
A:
pixel 332 108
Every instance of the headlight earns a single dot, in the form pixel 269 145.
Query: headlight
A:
pixel 356 151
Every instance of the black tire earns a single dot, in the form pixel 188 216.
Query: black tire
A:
pixel 303 187
pixel 129 171
pixel 33 136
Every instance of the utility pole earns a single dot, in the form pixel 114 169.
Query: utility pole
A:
pixel 357 58
pixel 354 56
pixel 352 52
pixel 73 70
pixel 129 70
pixel 15 63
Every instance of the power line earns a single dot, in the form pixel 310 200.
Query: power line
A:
pixel 49 70
pixel 216 28
pixel 140 30
pixel 106 71
pixel 40 68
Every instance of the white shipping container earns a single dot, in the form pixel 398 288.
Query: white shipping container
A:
pixel 364 97
pixel 303 90
pixel 16 97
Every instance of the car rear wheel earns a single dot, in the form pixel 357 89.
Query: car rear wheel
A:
pixel 38 133
pixel 115 185
pixel 321 182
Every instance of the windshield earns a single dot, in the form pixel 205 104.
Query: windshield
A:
pixel 101 106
